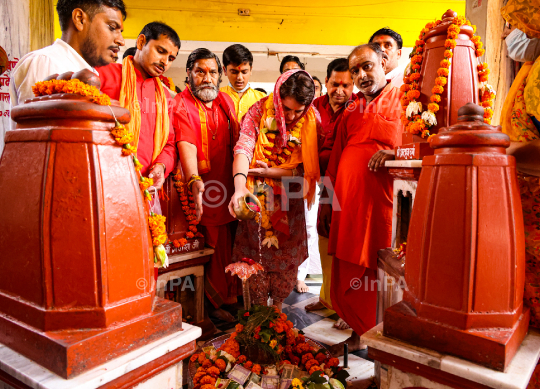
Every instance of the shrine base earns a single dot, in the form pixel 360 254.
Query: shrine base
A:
pixel 155 365
pixel 491 347
pixel 401 365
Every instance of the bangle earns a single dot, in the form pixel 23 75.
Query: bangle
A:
pixel 159 163
pixel 193 179
pixel 239 174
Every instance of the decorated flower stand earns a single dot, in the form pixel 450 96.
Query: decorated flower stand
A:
pixel 77 290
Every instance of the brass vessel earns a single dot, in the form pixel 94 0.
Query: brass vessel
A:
pixel 244 212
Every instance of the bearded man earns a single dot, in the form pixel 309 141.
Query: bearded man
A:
pixel 361 218
pixel 91 37
pixel 135 83
pixel 206 132
pixel 391 44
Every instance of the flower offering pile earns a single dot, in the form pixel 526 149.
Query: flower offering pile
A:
pixel 266 352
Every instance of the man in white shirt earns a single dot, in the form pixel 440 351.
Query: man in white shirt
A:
pixel 521 48
pixel 91 37
pixel 391 44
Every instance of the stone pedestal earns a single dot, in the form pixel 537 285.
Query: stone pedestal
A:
pixel 171 280
pixel 404 366
pixel 157 365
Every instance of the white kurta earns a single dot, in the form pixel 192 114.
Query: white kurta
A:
pixel 37 65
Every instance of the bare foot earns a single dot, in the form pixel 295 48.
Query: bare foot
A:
pixel 354 345
pixel 341 325
pixel 222 315
pixel 301 287
pixel 279 306
pixel 314 306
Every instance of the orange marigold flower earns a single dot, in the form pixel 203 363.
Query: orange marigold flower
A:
pixel 309 364
pixel 306 357
pixel 488 113
pixel 414 76
pixel 483 78
pixel 480 52
pixel 482 66
pixel 442 72
pixel 430 25
pixel 321 358
pixel 420 49
pixel 202 358
pixel 332 362
pixel 454 28
pixel 475 39
pixel 405 87
pixel 437 89
pixel 487 103
pixel 239 327
pixel 416 67
pixel 314 369
pixel 487 121
pixel 416 59
pixel 213 371
pixel 194 357
pixel 248 365
pixel 221 365
pixel 445 63
pixel 256 369
pixel 197 377
pixel 413 94
pixel 406 80
pixel 485 72
pixel 433 107
pixel 450 43
pixel 459 20
pixel 440 81
pixel 207 386
pixel 448 54
pixel 435 99
pixel 207 363
pixel 420 43
pixel 242 359
pixel 208 380
pixel 283 316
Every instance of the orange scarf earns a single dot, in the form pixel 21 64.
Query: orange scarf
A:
pixel 129 100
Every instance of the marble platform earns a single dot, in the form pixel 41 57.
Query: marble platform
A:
pixel 419 359
pixel 37 377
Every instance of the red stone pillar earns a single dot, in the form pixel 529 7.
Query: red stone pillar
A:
pixel 465 263
pixel 76 276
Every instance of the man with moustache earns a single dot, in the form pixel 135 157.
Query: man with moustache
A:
pixel 391 44
pixel 237 66
pixel 91 37
pixel 135 83
pixel 361 213
pixel 206 132
pixel 339 86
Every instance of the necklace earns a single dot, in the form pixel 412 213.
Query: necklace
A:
pixel 216 121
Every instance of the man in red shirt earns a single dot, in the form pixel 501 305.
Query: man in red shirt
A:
pixel 361 218
pixel 206 132
pixel 136 85
pixel 339 86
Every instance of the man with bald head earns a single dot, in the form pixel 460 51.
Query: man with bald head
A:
pixel 360 217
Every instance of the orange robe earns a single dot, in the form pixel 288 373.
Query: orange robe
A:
pixel 362 205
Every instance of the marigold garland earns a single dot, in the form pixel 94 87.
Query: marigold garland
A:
pixel 188 207
pixel 274 156
pixel 123 137
pixel 416 120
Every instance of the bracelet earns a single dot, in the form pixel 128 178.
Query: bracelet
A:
pixel 239 174
pixel 193 179
pixel 159 163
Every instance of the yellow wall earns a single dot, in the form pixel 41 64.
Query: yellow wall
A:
pixel 324 22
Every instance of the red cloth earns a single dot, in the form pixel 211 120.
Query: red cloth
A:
pixel 365 225
pixel 353 292
pixel 219 184
pixel 111 83
pixel 329 122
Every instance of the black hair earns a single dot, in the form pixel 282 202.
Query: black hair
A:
pixel 261 90
pixel 315 78
pixel 202 53
pixel 130 51
pixel 299 86
pixel 337 65
pixel 65 8
pixel 291 58
pixel 154 30
pixel 237 55
pixel 386 31
pixel 373 46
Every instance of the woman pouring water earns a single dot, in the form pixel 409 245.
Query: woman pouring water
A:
pixel 276 159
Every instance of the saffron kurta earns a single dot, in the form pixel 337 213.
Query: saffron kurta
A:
pixel 219 226
pixel 242 104
pixel 362 205
pixel 111 83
